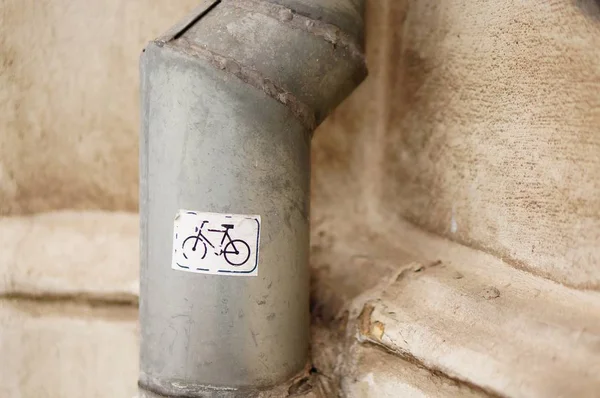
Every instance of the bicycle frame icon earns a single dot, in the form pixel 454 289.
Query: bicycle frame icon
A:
pixel 235 251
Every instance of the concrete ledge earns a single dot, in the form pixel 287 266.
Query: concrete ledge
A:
pixel 89 254
pixel 468 316
pixel 463 316
pixel 62 349
pixel 379 374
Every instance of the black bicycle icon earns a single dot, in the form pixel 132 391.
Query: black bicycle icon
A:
pixel 236 251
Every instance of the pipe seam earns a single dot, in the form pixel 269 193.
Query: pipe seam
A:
pixel 252 77
pixel 328 32
pixel 177 390
pixel 284 15
pixel 187 22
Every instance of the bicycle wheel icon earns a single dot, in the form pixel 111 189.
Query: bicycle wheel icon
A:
pixel 193 246
pixel 236 252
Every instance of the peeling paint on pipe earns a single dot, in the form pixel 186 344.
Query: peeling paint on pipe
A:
pixel 230 98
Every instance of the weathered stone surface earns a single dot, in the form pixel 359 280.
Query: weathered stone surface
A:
pixel 492 134
pixel 64 350
pixel 478 123
pixel 499 329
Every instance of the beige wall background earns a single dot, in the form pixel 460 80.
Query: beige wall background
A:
pixel 484 129
pixel 479 122
pixel 69 101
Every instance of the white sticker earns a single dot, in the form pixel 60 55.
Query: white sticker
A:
pixel 213 243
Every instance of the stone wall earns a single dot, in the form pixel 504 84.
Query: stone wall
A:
pixel 478 123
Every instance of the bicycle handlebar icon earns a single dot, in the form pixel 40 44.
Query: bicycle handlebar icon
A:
pixel 235 251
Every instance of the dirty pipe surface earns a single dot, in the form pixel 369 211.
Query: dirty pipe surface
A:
pixel 230 98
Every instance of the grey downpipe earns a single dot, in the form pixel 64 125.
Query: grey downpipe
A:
pixel 230 99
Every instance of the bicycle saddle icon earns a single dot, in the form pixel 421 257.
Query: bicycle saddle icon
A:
pixel 235 251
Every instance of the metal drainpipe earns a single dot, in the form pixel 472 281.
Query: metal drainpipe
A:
pixel 230 98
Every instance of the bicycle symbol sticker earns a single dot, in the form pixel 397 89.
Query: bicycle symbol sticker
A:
pixel 214 243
